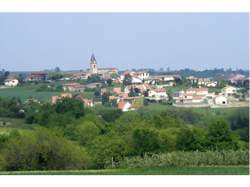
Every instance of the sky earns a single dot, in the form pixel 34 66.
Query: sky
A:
pixel 37 41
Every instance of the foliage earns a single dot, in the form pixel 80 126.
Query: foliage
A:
pixel 127 79
pixel 180 159
pixel 145 140
pixel 3 75
pixel 11 108
pixel 85 132
pixel 220 136
pixel 191 139
pixel 44 150
pixel 105 151
pixel 94 78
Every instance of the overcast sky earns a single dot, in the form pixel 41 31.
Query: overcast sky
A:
pixel 124 40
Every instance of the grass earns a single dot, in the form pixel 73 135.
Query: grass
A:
pixel 25 92
pixel 226 170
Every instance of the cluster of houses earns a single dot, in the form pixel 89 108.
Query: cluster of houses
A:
pixel 86 102
pixel 205 82
pixel 202 97
pixel 134 87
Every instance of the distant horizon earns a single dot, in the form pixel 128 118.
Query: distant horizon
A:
pixel 199 41
pixel 155 69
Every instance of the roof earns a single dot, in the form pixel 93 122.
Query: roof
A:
pixel 75 85
pixel 229 87
pixel 158 90
pixel 113 69
pixel 122 104
pixel 237 77
pixel 92 58
pixel 197 97
pixel 197 89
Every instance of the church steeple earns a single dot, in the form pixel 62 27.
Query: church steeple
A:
pixel 92 58
pixel 93 64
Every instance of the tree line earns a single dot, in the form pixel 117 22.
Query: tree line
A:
pixel 67 135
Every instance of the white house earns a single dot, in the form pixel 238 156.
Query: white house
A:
pixel 136 80
pixel 197 91
pixel 125 106
pixel 212 84
pixel 142 75
pixel 229 91
pixel 11 82
pixel 220 100
pixel 73 87
pixel 158 93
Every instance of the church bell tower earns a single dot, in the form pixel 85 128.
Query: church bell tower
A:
pixel 93 65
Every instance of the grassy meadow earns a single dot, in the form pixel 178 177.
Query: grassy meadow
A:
pixel 226 170
pixel 25 92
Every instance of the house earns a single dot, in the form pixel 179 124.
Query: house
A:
pixel 197 91
pixel 191 96
pixel 138 88
pixel 136 80
pixel 141 75
pixel 73 87
pixel 220 100
pixel 88 102
pixel 237 79
pixel 192 79
pixel 168 80
pixel 117 90
pixel 37 76
pixel 125 106
pixel 212 84
pixel 229 91
pixel 80 76
pixel 206 82
pixel 54 99
pixel 11 82
pixel 158 94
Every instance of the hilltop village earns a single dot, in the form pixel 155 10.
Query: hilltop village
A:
pixel 131 89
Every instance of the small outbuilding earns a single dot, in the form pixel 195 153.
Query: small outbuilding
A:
pixel 220 100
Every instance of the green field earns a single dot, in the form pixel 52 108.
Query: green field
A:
pixel 230 170
pixel 25 92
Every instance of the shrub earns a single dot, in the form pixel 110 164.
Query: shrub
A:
pixel 44 149
pixel 180 159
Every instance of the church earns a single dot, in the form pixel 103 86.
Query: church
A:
pixel 103 72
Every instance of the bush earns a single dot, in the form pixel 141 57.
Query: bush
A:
pixel 145 140
pixel 44 149
pixel 181 159
pixel 106 151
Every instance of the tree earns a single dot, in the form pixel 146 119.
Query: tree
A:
pixel 86 132
pixel 68 105
pixel 109 114
pixel 191 139
pixel 145 140
pixel 94 78
pixel 44 149
pixel 109 82
pixel 107 150
pixel 57 69
pixel 220 136
pixel 21 78
pixel 105 98
pixel 127 79
pixel 168 139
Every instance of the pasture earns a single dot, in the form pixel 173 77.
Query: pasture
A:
pixel 25 92
pixel 225 170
